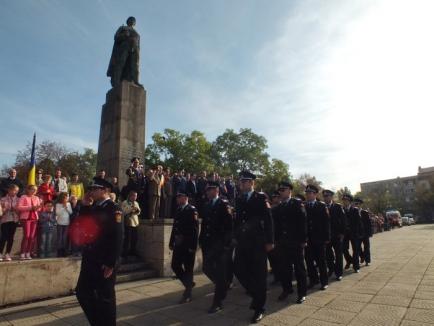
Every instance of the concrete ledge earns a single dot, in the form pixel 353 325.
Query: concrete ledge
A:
pixel 153 246
pixel 24 281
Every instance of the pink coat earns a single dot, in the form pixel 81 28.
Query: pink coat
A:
pixel 25 207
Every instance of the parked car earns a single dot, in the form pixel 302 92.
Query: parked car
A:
pixel 411 221
pixel 394 218
pixel 405 220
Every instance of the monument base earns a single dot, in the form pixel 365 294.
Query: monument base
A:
pixel 122 131
pixel 153 246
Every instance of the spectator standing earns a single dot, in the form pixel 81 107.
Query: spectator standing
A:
pixel 39 177
pixel 75 205
pixel 191 188
pixel 154 193
pixel 76 187
pixel 47 223
pixel 63 218
pixel 169 195
pixel 29 206
pixel 46 189
pixel 11 179
pixel 116 190
pixel 131 211
pixel 59 183
pixel 8 221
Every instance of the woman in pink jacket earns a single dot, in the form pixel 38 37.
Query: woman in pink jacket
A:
pixel 29 205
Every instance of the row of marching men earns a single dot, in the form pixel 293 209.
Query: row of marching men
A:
pixel 308 238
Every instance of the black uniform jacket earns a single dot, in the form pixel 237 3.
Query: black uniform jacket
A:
pixel 290 222
pixel 217 225
pixel 355 224
pixel 318 222
pixel 338 220
pixel 185 229
pixel 107 245
pixel 253 221
pixel 367 226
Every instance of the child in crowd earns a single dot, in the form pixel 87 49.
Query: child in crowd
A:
pixel 47 222
pixel 46 189
pixel 29 206
pixel 131 210
pixel 63 218
pixel 8 221
pixel 75 205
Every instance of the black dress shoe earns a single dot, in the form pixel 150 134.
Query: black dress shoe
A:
pixel 367 264
pixel 324 287
pixel 185 299
pixel 257 316
pixel 300 300
pixel 357 271
pixel 347 265
pixel 339 278
pixel 312 285
pixel 284 295
pixel 215 308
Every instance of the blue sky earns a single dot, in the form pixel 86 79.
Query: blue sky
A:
pixel 341 89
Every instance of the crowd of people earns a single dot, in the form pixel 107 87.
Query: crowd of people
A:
pixel 300 235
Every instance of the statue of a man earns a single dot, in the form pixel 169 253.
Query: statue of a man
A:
pixel 124 62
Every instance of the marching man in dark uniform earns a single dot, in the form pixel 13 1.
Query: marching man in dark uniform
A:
pixel 96 283
pixel 291 237
pixel 183 242
pixel 216 242
pixel 254 238
pixel 318 228
pixel 354 233
pixel 337 227
pixel 365 254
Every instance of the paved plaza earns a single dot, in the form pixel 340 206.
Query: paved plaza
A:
pixel 397 289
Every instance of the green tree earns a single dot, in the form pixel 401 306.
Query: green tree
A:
pixel 233 152
pixel 275 172
pixel 178 151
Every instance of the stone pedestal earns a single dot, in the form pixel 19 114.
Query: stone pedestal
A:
pixel 153 246
pixel 122 131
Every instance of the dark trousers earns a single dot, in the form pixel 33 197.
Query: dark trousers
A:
pixel 366 252
pixel 250 267
pixel 315 253
pixel 7 236
pixel 183 265
pixel 334 256
pixel 355 245
pixel 96 295
pixel 274 260
pixel 287 257
pixel 346 250
pixel 130 240
pixel 215 267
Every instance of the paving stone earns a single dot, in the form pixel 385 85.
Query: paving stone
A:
pixel 422 304
pixel 380 314
pixel 392 300
pixel 421 315
pixel 345 305
pixel 316 322
pixel 424 295
pixel 406 322
pixel 333 315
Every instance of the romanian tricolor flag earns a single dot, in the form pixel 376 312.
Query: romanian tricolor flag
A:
pixel 31 180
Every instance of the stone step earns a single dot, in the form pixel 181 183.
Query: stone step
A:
pixel 132 267
pixel 135 276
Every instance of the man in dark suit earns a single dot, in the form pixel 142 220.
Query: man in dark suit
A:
pixel 365 253
pixel 183 242
pixel 254 238
pixel 216 242
pixel 291 236
pixel 354 233
pixel 337 228
pixel 96 283
pixel 318 230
